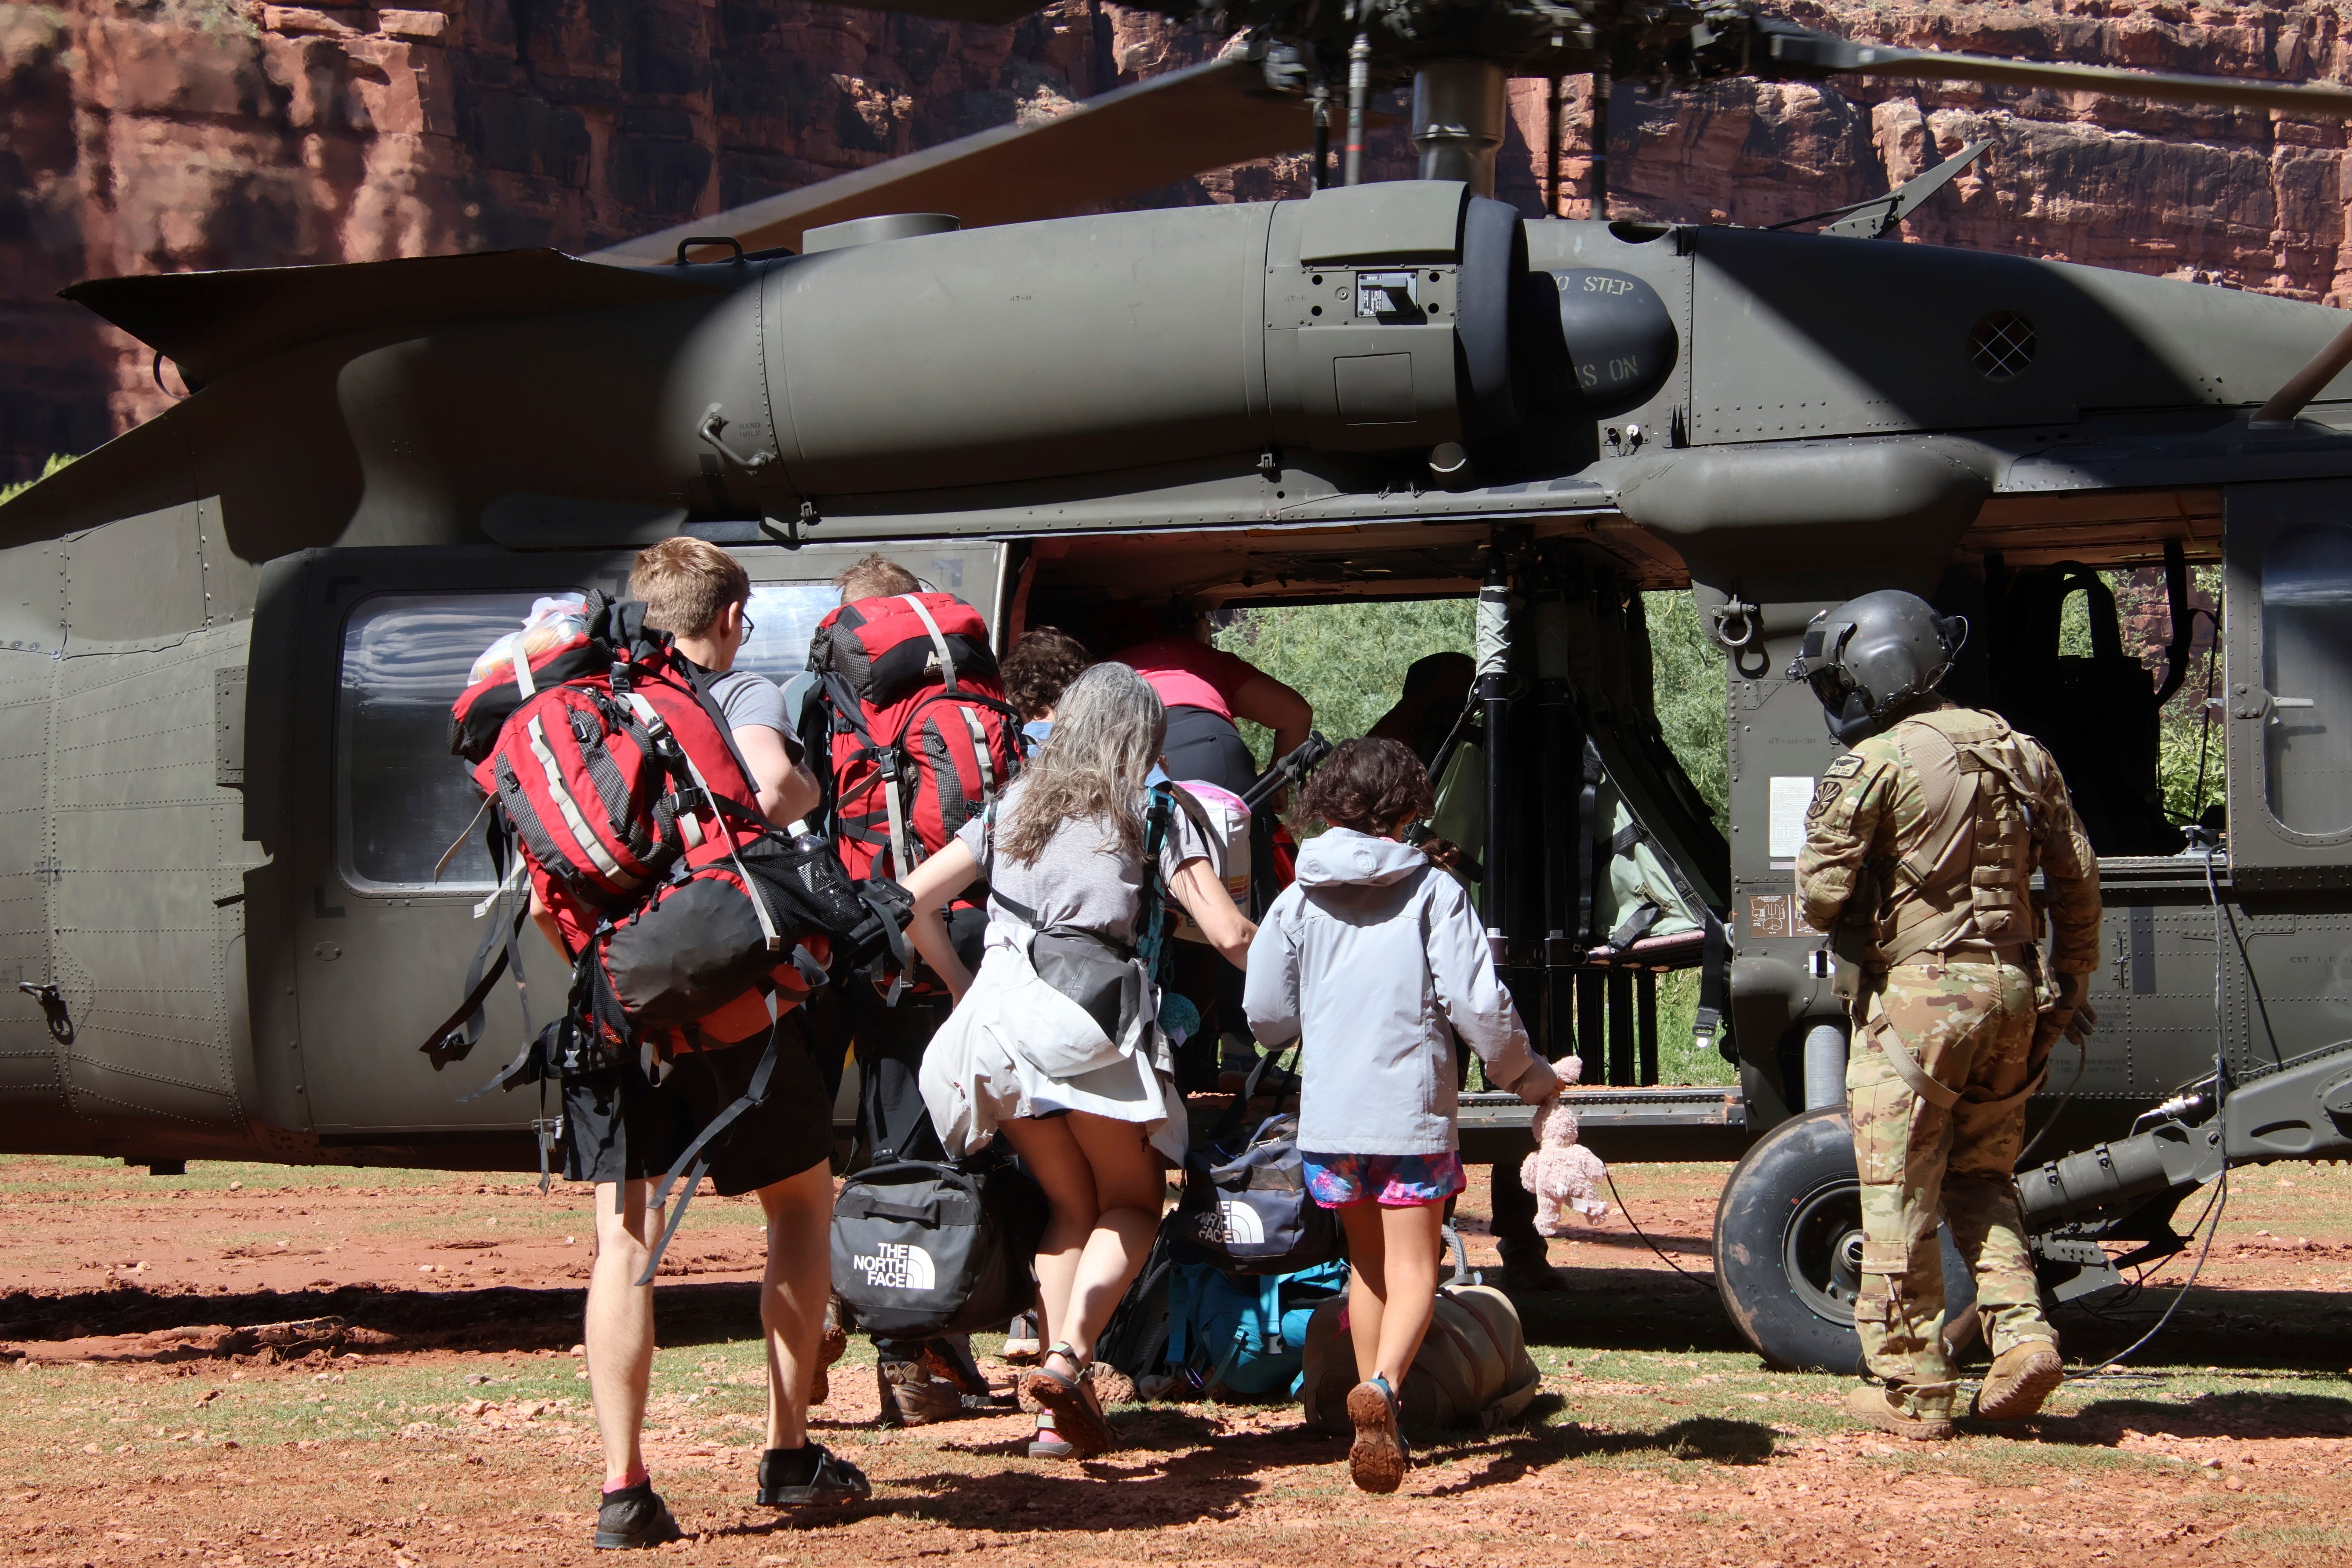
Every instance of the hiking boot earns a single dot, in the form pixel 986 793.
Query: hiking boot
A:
pixel 810 1475
pixel 2022 1376
pixel 912 1396
pixel 831 1346
pixel 1902 1411
pixel 1531 1277
pixel 1021 1346
pixel 634 1517
pixel 1378 1459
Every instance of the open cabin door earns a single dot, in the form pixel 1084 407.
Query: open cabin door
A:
pixel 2287 556
pixel 381 643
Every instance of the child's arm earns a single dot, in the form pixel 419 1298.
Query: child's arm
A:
pixel 1462 971
pixel 1270 997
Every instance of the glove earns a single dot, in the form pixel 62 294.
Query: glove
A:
pixel 1538 1083
pixel 2073 1006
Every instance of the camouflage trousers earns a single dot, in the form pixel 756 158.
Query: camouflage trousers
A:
pixel 1970 1027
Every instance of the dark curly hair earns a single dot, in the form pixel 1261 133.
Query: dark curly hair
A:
pixel 1369 785
pixel 1041 663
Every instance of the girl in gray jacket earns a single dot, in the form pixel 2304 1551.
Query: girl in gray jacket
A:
pixel 1376 962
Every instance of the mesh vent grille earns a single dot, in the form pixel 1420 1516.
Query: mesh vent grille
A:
pixel 2002 346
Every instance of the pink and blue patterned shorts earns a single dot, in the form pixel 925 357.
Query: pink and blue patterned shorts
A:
pixel 1393 1181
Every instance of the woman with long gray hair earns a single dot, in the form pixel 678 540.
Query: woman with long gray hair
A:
pixel 1056 1041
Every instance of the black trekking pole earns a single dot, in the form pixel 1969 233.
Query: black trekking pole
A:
pixel 1290 771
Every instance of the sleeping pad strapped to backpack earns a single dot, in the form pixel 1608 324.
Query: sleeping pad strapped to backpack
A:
pixel 614 784
pixel 910 733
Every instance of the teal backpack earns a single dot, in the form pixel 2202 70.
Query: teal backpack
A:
pixel 1246 1336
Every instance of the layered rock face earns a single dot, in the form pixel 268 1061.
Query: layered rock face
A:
pixel 153 136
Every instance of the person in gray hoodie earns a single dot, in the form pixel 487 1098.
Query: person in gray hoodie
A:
pixel 1376 962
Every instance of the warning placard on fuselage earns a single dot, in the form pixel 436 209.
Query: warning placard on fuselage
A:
pixel 1388 294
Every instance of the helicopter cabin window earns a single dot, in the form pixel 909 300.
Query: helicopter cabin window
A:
pixel 784 618
pixel 403 798
pixel 2306 590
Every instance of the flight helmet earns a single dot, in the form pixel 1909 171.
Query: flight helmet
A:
pixel 1873 660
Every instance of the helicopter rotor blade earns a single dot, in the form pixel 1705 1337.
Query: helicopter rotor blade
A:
pixel 1133 139
pixel 988 13
pixel 1819 54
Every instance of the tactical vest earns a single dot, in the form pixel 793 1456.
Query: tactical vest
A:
pixel 1960 875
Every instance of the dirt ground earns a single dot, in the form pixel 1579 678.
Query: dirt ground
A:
pixel 251 1365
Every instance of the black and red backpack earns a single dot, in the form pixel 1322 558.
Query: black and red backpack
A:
pixel 910 732
pixel 615 793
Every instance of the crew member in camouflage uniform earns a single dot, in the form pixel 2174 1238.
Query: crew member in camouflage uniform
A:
pixel 1919 847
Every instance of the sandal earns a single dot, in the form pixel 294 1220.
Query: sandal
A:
pixel 831 1479
pixel 1077 1414
pixel 1378 1459
pixel 1049 1443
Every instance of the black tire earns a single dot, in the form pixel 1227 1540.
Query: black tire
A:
pixel 1788 1237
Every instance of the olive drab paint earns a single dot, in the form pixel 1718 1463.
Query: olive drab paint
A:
pixel 229 630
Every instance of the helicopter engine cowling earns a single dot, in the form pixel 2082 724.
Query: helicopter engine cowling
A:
pixel 1371 318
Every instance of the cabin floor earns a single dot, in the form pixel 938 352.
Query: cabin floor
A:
pixel 443 1419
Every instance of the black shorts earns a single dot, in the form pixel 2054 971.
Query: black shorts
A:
pixel 617 1127
pixel 1204 745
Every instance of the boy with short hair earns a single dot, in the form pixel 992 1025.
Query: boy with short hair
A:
pixel 618 1134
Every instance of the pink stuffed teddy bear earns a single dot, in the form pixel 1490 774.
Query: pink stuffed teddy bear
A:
pixel 1562 1173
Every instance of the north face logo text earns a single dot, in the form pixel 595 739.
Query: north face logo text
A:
pixel 896 1266
pixel 1234 1224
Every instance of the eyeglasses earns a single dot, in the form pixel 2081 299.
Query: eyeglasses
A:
pixel 749 625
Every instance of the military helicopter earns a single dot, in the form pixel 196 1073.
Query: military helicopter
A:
pixel 239 624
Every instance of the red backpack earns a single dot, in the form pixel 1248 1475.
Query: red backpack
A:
pixel 911 729
pixel 618 793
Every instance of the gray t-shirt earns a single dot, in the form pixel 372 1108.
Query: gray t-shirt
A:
pixel 1079 878
pixel 745 697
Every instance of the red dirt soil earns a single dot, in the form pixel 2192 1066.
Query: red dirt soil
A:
pixel 297 1286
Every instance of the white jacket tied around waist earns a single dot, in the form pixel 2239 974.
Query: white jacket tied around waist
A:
pixel 1014 1047
pixel 1376 961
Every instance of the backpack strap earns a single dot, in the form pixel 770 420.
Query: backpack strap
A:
pixel 694 1160
pixel 939 640
pixel 651 719
pixel 1151 900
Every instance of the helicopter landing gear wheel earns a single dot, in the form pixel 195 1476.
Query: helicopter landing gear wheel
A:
pixel 1787 1250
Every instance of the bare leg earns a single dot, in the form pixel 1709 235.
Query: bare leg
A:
pixel 1367 1284
pixel 792 1295
pixel 1392 1288
pixel 1052 1155
pixel 620 1333
pixel 1410 1258
pixel 1130 1191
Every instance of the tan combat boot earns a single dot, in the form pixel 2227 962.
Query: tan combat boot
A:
pixel 2022 1376
pixel 1923 1416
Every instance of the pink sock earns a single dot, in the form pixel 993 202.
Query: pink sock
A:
pixel 637 1477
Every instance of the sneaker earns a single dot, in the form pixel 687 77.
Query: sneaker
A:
pixel 912 1396
pixel 1378 1459
pixel 1021 1346
pixel 1902 1411
pixel 634 1517
pixel 2022 1376
pixel 805 1477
